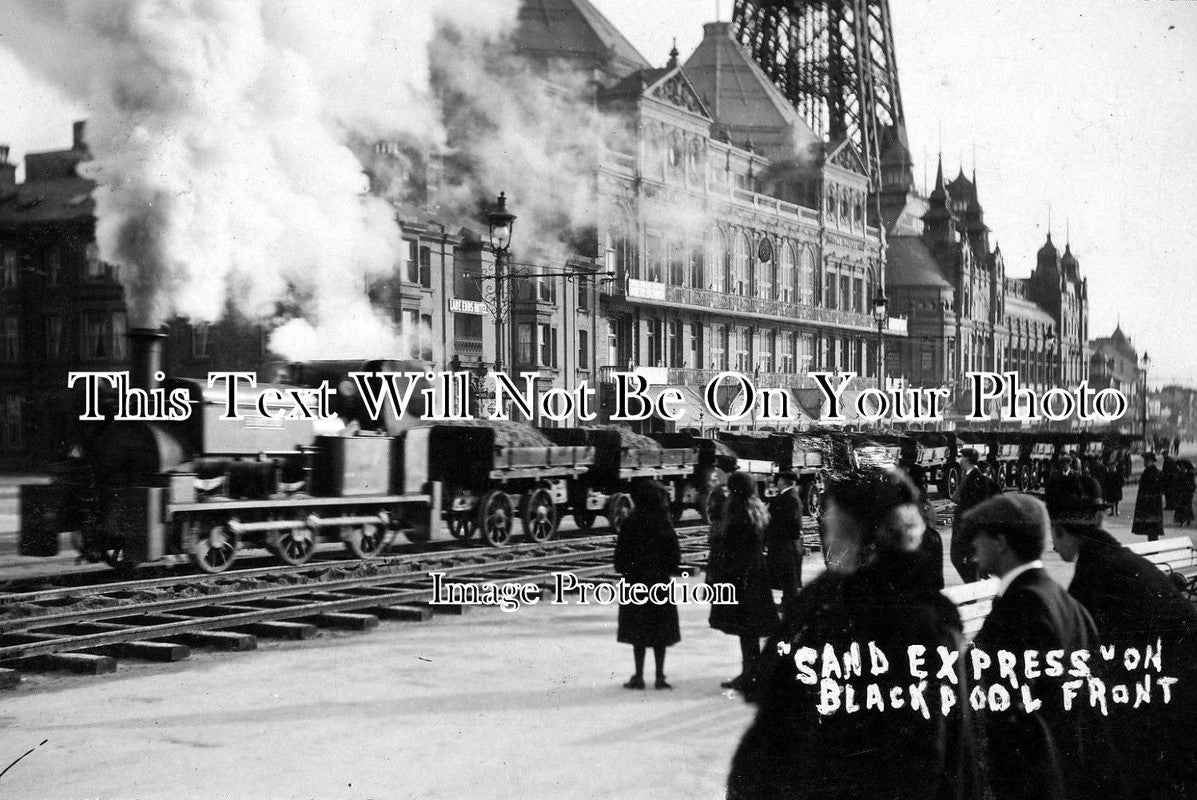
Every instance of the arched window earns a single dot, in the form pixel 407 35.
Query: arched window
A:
pixel 740 276
pixel 766 277
pixel 787 274
pixel 805 289
pixel 717 262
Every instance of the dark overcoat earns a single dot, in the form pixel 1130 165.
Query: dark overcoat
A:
pixel 1184 497
pixel 783 541
pixel 791 752
pixel 647 552
pixel 1135 605
pixel 740 562
pixel 1149 504
pixel 1168 482
pixel 1048 753
pixel 1112 485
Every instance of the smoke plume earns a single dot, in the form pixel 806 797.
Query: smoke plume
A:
pixel 219 133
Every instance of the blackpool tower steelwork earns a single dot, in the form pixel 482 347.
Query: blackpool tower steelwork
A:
pixel 834 59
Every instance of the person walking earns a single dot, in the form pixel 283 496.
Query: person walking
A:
pixel 1184 492
pixel 875 591
pixel 1134 605
pixel 1044 751
pixel 1112 485
pixel 1168 474
pixel 783 537
pixel 1149 502
pixel 974 488
pixel 741 563
pixel 646 554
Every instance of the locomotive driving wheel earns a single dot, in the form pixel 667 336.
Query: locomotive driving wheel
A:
pixel 293 546
pixel 215 548
pixel 495 519
pixel 585 519
pixel 619 507
pixel 461 526
pixel 540 515
pixel 364 541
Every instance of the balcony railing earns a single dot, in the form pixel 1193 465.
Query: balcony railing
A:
pixel 467 346
pixel 699 378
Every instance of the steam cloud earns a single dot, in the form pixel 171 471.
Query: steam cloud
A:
pixel 219 132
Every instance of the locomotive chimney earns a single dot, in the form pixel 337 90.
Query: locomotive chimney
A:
pixel 145 348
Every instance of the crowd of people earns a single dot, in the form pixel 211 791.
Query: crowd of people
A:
pixel 882 585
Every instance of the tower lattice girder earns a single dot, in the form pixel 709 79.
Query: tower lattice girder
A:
pixel 834 59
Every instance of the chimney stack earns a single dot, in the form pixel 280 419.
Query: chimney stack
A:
pixel 8 172
pixel 145 348
pixel 79 130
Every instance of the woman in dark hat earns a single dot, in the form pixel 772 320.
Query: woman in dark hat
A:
pixel 874 590
pixel 1135 605
pixel 740 561
pixel 647 553
pixel 1113 483
pixel 1149 503
pixel 1184 492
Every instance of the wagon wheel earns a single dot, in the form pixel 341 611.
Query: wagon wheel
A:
pixel 294 545
pixel 215 548
pixel 539 515
pixel 495 519
pixel 1023 478
pixel 364 541
pixel 461 526
pixel 951 480
pixel 811 501
pixel 618 509
pixel 113 554
pixel 585 519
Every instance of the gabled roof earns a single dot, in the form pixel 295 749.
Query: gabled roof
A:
pixel 845 155
pixel 47 201
pixel 909 262
pixel 575 30
pixel 667 84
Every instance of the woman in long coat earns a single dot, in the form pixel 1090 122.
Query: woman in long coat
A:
pixel 1135 605
pixel 647 553
pixel 1113 483
pixel 875 590
pixel 738 559
pixel 1149 503
pixel 1184 492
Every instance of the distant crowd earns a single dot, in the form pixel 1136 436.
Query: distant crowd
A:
pixel 883 585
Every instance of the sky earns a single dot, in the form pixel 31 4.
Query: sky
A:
pixel 1086 107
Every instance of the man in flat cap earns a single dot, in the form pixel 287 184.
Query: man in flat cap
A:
pixel 1047 752
pixel 1135 605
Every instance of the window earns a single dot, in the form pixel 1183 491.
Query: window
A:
pixel 199 340
pixel 523 342
pixel 717 262
pixel 583 293
pixel 719 348
pixel 546 290
pixel 674 342
pixel 583 349
pixel 426 337
pixel 677 263
pixel 8 277
pixel 10 348
pixel 857 295
pixel 764 278
pixel 547 339
pixel 697 279
pixel 96 336
pixel 467 334
pixel 805 278
pixel 53 266
pixel 786 357
pixel 845 292
pixel 413 262
pixel 695 345
pixel 806 352
pixel 12 431
pixel 787 275
pixel 655 268
pixel 743 354
pixel 832 287
pixel 740 265
pixel 53 337
pixel 766 347
pixel 654 343
pixel 426 267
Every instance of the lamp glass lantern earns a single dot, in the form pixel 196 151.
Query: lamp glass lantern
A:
pixel 501 224
pixel 880 303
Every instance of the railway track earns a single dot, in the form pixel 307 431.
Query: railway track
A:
pixel 86 630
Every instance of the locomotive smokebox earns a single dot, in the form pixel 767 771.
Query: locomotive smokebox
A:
pixel 146 351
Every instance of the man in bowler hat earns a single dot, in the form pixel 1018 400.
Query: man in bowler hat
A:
pixel 783 536
pixel 974 488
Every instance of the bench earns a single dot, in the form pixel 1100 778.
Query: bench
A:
pixel 1176 556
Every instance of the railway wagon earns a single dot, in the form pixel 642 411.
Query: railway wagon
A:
pixel 935 460
pixel 619 458
pixel 764 455
pixel 714 462
pixel 494 472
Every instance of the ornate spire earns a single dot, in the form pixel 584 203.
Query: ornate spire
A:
pixel 673 54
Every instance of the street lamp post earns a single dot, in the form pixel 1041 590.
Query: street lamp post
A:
pixel 501 223
pixel 880 302
pixel 1146 364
